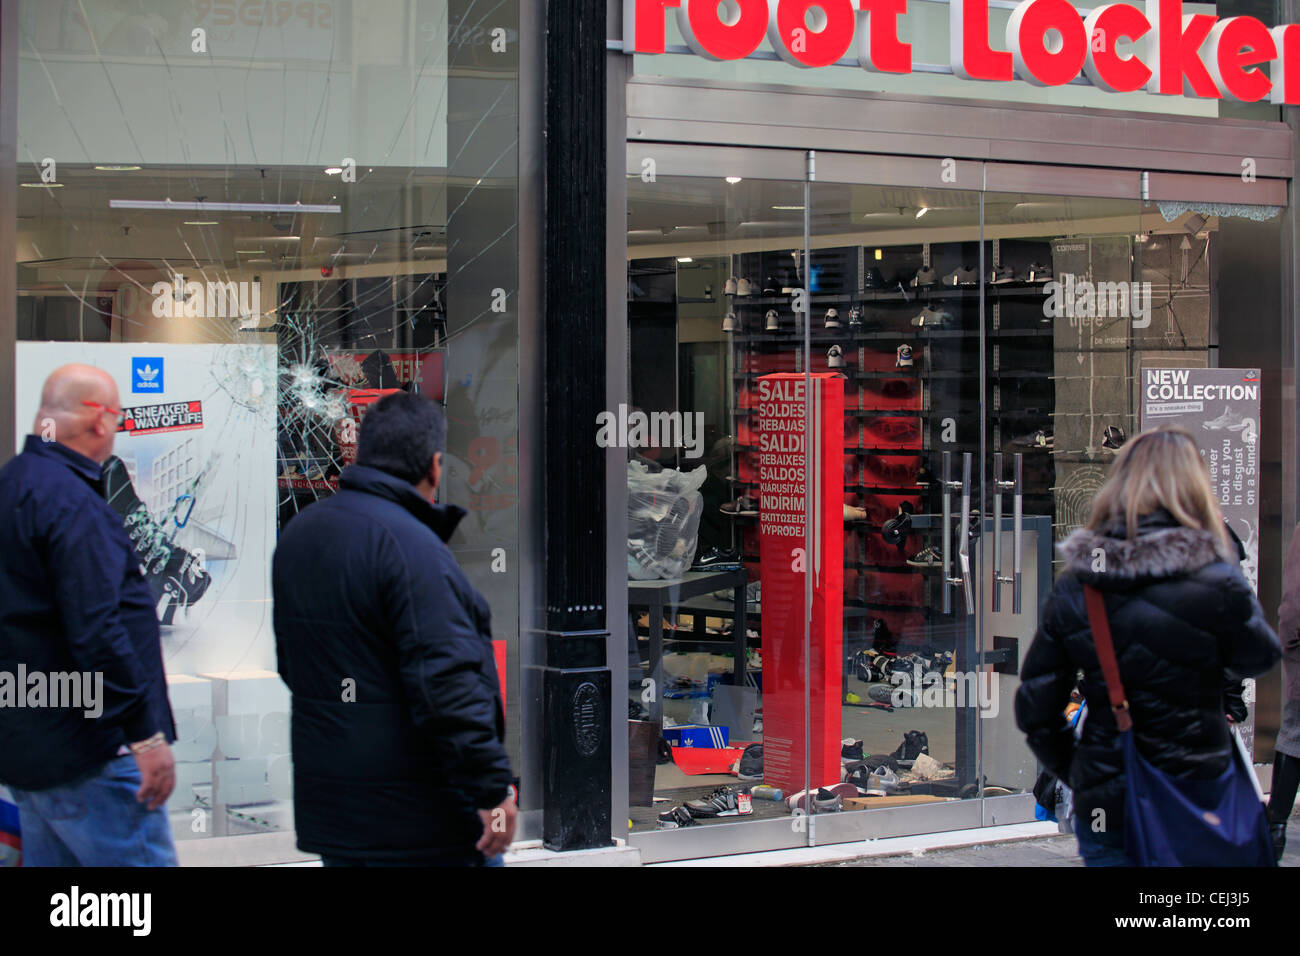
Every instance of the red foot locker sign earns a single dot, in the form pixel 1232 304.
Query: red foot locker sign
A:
pixel 787 449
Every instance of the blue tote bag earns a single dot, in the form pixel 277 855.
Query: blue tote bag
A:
pixel 1175 821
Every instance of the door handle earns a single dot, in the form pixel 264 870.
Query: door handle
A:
pixel 1016 487
pixel 963 551
pixel 947 532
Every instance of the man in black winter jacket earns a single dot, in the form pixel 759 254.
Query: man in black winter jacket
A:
pixel 398 726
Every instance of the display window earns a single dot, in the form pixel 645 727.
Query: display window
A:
pixel 975 358
pixel 260 227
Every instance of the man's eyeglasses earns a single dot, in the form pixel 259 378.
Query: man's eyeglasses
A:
pixel 116 412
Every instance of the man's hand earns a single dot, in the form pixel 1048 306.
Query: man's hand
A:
pixel 157 776
pixel 498 828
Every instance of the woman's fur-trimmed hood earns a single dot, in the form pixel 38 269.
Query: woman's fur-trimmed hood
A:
pixel 1161 549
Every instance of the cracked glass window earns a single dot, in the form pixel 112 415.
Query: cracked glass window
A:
pixel 260 218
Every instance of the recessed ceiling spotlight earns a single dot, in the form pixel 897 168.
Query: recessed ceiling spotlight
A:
pixel 41 185
pixel 734 179
pixel 117 169
pixel 333 170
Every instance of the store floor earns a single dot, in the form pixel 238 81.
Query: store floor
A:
pixel 880 731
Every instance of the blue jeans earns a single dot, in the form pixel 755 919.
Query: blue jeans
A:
pixel 94 821
pixel 1100 849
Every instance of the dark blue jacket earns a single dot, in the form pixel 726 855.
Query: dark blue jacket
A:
pixel 398 725
pixel 72 600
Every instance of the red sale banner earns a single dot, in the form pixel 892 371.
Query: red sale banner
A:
pixel 798 538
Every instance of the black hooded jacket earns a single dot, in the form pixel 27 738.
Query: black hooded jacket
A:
pixel 387 649
pixel 1184 622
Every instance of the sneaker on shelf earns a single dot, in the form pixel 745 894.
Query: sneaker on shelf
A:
pixel 896 388
pixel 676 818
pixel 1113 438
pixel 925 278
pixel 750 765
pixel 850 749
pixel 744 287
pixel 903 356
pixel 720 803
pixel 915 743
pixel 770 285
pixel 854 513
pixel 717 559
pixel 834 357
pixel 729 288
pixel 897 528
pixel 1036 441
pixel 963 275
pixel 928 558
pixel 754 659
pixel 930 317
pixel 832 319
pixel 730 323
pixel 1001 275
pixel 855 317
pixel 740 507
pixel 1039 272
pixel 773 321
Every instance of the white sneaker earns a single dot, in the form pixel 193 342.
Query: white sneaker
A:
pixel 773 321
pixel 834 357
pixel 743 287
pixel 729 288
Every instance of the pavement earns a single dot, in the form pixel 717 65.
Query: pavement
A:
pixel 1040 851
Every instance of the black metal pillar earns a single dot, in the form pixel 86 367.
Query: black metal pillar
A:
pixel 576 682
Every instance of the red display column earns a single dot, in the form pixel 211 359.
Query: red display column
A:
pixel 786 450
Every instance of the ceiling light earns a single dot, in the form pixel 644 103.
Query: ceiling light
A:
pixel 200 222
pixel 117 169
pixel 684 259
pixel 259 260
pixel 333 170
pixel 922 211
pixel 880 254
pixel 734 179
pixel 168 205
pixel 788 208
pixel 41 185
pixel 250 252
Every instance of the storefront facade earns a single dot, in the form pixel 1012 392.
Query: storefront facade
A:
pixel 260 218
pixel 1004 278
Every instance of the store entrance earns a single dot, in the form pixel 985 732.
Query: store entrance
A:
pixel 916 336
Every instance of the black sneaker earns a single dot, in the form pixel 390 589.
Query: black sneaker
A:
pixel 676 818
pixel 175 575
pixel 720 803
pixel 717 559
pixel 882 639
pixel 896 529
pixel 665 753
pixel 915 743
pixel 850 749
pixel 751 763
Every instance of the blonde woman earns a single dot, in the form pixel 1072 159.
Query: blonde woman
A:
pixel 1184 623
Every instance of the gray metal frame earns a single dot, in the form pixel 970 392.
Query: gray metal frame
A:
pixel 8 220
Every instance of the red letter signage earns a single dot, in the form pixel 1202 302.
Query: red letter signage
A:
pixel 879 48
pixel 1105 67
pixel 968 43
pixel 795 42
pixel 1174 50
pixel 733 39
pixel 1031 51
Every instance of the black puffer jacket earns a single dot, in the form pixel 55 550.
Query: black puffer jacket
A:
pixel 1183 620
pixel 397 718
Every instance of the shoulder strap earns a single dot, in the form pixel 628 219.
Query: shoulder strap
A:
pixel 1106 656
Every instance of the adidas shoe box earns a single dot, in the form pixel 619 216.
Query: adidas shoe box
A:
pixel 697 735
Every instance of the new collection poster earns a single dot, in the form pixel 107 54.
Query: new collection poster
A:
pixel 193 477
pixel 1220 407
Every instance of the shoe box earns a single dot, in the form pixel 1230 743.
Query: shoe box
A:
pixel 698 735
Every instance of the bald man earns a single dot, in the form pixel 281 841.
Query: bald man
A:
pixel 85 725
